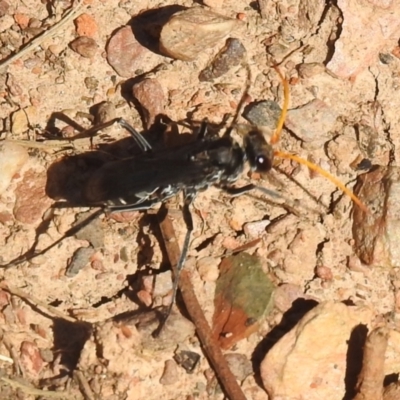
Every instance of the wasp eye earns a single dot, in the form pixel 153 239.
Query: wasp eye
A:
pixel 263 164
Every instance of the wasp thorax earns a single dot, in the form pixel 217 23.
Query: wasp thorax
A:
pixel 258 151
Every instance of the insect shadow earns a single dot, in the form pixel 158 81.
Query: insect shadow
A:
pixel 140 182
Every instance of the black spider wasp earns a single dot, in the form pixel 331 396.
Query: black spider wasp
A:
pixel 140 182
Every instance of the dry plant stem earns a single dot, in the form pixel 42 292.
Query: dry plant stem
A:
pixel 211 347
pixel 45 145
pixel 7 343
pixel 370 380
pixel 34 300
pixel 45 35
pixel 37 392
pixel 84 384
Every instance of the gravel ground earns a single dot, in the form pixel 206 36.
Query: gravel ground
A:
pixel 343 109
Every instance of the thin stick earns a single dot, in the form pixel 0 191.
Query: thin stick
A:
pixel 46 34
pixel 7 343
pixel 211 347
pixel 46 145
pixel 37 302
pixel 37 392
pixel 84 384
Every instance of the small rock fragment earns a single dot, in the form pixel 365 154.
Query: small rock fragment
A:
pixel 79 260
pixel 396 51
pixel 312 122
pixel 308 70
pixel 47 355
pixel 385 58
pixel 187 359
pixel 126 216
pixel 302 22
pixel 4 6
pixel 342 150
pixel 105 112
pixel 86 25
pixel 33 62
pixel 12 158
pixel 19 122
pixel 255 229
pixel 231 55
pixel 91 82
pixel 240 365
pixel 31 199
pixel 4 298
pixel 85 46
pixel 377 233
pixel 6 22
pixel 285 295
pixel 170 373
pixel 13 86
pixel 162 284
pixel 263 113
pixel 150 95
pixel 56 49
pixel 97 265
pixel 192 31
pixel 30 359
pixel 145 297
pixel 208 268
pixel 324 273
pixel 124 53
pixel 213 3
pixel 177 329
pixel 22 20
pixel 318 348
pixel 9 315
pixel 92 232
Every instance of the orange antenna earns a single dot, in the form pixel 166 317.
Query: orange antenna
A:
pixel 326 174
pixel 275 138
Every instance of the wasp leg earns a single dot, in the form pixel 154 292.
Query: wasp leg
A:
pixel 143 144
pixel 205 132
pixel 187 216
pixel 288 204
pixel 31 254
pixel 203 129
pixel 238 191
pixel 145 205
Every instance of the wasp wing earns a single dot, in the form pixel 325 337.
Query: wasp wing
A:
pixel 140 177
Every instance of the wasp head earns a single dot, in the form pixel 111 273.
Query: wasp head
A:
pixel 259 152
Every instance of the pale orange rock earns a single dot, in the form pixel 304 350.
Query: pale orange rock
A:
pixel 22 20
pixel 86 25
pixel 367 27
pixel 12 158
pixel 189 32
pixel 310 361
pixel 392 357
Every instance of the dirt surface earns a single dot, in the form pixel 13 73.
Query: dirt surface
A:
pixel 351 113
